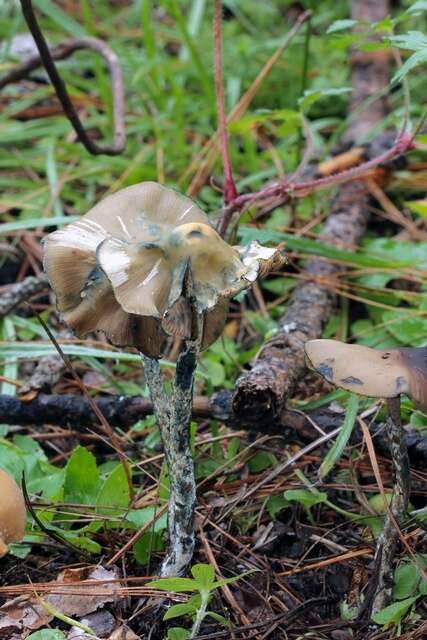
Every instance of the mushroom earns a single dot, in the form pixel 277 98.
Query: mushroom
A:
pixel 142 265
pixel 13 514
pixel 380 373
pixel 120 269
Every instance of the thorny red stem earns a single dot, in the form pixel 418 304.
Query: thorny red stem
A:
pixel 230 191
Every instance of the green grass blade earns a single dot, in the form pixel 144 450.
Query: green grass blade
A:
pixel 340 443
pixel 33 223
pixel 318 248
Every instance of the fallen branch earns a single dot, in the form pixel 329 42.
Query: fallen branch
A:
pixel 22 291
pixel 124 411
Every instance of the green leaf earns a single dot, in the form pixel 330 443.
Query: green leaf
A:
pixel 262 324
pixel 406 580
pixel 262 460
pixel 83 542
pixel 224 581
pixel 47 634
pixel 394 613
pixel 367 258
pixel 306 497
pixel 176 610
pixel 410 331
pixel 81 477
pixel 218 618
pixel 418 7
pixel 376 502
pixel 20 551
pixel 275 504
pixel 178 585
pixel 204 574
pixel 214 371
pixel 397 253
pixel 335 452
pixel 413 61
pixel 418 206
pixel 178 633
pixel 312 95
pixel 147 544
pixel 341 25
pixel 140 517
pixel 414 41
pixel 113 497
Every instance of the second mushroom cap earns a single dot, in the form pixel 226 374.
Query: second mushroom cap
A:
pixel 380 373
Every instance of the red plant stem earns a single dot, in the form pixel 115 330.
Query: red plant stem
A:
pixel 230 191
pixel 404 143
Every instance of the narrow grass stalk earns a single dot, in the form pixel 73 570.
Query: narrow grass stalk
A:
pixel 389 537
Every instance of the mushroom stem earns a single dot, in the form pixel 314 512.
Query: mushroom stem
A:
pixel 389 537
pixel 173 413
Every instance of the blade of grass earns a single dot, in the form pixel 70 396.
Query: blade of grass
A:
pixel 318 248
pixel 34 223
pixel 335 452
pixel 194 54
pixel 35 350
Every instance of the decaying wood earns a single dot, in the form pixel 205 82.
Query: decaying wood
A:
pixel 74 411
pixel 48 371
pixel 261 394
pixel 20 292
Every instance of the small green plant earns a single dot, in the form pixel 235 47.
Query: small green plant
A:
pixel 202 585
pixel 409 585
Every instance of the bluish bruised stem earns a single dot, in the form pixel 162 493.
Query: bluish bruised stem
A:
pixel 173 413
pixel 389 537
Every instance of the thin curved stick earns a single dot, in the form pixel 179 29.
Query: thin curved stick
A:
pixel 46 57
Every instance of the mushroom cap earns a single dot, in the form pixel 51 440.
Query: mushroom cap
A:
pixel 121 269
pixel 13 515
pixel 379 373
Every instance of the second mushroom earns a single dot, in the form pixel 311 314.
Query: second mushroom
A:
pixel 142 265
pixel 379 373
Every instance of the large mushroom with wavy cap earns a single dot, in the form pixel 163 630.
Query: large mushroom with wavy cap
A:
pixel 121 269
pixel 379 373
pixel 142 265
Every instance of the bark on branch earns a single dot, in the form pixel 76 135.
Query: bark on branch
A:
pixel 123 411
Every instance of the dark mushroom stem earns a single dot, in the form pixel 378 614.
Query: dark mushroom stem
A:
pixel 173 413
pixel 389 537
